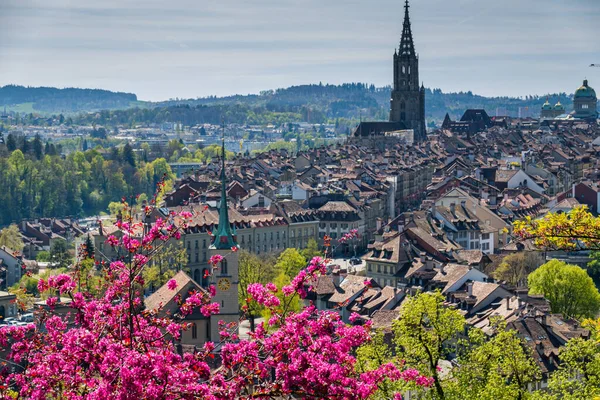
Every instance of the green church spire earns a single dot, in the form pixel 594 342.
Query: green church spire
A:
pixel 224 237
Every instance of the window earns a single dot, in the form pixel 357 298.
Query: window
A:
pixel 312 231
pixel 204 256
pixel 333 225
pixel 261 201
pixel 204 243
pixel 196 244
pixel 485 236
pixel 370 267
pixel 321 235
pixel 224 267
pixel 292 233
pixel 585 106
pixel 258 237
pixel 344 226
pixel 283 235
pixel 334 235
pixel 196 257
pixel 322 225
pixel 379 268
pixel 189 245
pixel 265 236
pixel 194 331
pixel 305 231
pixel 208 330
pixel 277 235
pixel 485 246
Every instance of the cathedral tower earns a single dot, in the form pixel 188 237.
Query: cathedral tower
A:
pixel 408 99
pixel 226 274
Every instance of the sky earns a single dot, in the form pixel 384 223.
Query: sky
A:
pixel 194 48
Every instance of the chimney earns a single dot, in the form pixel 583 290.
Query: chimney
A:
pixel 441 268
pixel 423 257
pixel 470 289
pixel 336 278
pixel 508 303
pixel 453 208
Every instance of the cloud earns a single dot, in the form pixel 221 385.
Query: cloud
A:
pixel 192 48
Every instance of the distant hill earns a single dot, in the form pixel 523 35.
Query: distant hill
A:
pixel 356 100
pixel 49 100
pixel 312 103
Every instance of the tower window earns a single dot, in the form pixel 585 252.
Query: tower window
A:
pixel 402 106
pixel 403 69
pixel 194 331
pixel 224 267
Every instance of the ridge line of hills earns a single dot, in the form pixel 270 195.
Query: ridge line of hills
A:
pixel 315 103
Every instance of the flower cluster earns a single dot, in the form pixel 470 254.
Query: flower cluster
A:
pixel 109 346
pixel 353 234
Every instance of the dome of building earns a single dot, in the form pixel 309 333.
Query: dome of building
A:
pixel 547 106
pixel 585 91
pixel 559 107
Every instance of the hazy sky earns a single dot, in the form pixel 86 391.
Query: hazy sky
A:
pixel 189 48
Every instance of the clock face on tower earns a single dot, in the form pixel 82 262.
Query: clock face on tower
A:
pixel 224 284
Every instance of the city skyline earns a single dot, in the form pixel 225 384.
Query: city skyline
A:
pixel 193 50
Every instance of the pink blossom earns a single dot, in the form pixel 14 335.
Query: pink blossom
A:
pixel 172 284
pixel 215 260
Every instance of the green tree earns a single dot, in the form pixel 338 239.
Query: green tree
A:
pixel 38 147
pixel 11 238
pixel 515 268
pixel 43 256
pixel 170 259
pixel 423 333
pixel 311 250
pixel 59 253
pixel 578 375
pixel 290 262
pixel 253 269
pixel 89 247
pixel 128 155
pixel 11 142
pixel 568 288
pixel 500 367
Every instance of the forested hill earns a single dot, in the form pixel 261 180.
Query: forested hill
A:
pixel 312 103
pixel 355 100
pixel 53 100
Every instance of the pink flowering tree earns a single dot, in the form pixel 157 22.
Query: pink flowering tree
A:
pixel 108 346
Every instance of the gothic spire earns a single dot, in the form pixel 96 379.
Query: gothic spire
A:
pixel 224 236
pixel 407 47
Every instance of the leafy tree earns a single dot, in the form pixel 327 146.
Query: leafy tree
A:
pixel 568 288
pixel 253 269
pixel 578 375
pixel 593 269
pixel 572 231
pixel 43 256
pixel 290 262
pixel 515 268
pixel 11 142
pixel 38 147
pixel 128 155
pixel 423 332
pixel 11 238
pixel 88 247
pixel 498 368
pixel 312 250
pixel 59 253
pixel 171 259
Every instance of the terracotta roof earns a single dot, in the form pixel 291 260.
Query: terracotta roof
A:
pixel 164 295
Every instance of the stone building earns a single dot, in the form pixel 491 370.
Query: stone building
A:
pixel 408 99
pixel 585 102
pixel 407 105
